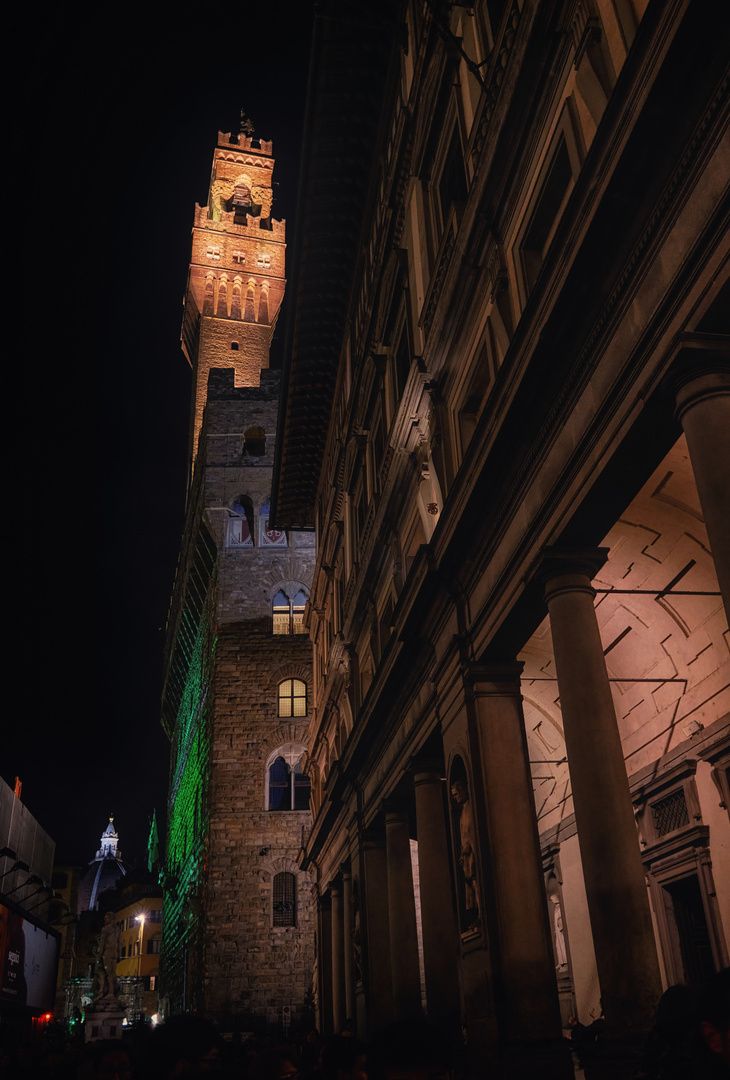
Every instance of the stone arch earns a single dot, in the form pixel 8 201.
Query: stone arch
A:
pixel 285 733
pixel 209 296
pixel 285 568
pixel 222 305
pixel 248 311
pixel 264 303
pixel 236 297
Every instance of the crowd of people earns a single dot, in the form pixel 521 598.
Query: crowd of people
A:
pixel 689 1041
pixel 190 1047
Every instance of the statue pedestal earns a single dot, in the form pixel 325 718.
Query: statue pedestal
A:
pixel 103 1020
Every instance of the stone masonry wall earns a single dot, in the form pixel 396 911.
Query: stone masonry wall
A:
pixel 253 968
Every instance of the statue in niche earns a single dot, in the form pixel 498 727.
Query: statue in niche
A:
pixel 559 935
pixel 356 935
pixel 467 854
pixel 107 956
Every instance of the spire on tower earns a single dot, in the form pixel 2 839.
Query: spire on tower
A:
pixel 247 127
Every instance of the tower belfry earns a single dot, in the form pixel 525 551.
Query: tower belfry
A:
pixel 236 280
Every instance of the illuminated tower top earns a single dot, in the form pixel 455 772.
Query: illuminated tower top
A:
pixel 109 842
pixel 105 869
pixel 236 279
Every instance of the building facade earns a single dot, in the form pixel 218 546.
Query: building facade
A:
pixel 509 365
pixel 238 932
pixel 29 944
pixel 139 918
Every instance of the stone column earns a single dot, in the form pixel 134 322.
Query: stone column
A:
pixel 440 942
pixel 402 916
pixel 338 979
pixel 375 940
pixel 325 964
pixel 618 903
pixel 349 966
pixel 701 384
pixel 527 966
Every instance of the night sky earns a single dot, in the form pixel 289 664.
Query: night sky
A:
pixel 116 128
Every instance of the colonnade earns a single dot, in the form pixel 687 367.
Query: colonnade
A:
pixel 518 959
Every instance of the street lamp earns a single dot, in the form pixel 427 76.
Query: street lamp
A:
pixel 140 919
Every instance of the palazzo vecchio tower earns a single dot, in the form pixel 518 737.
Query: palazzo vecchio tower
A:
pixel 238 930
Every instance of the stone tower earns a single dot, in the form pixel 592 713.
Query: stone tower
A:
pixel 238 938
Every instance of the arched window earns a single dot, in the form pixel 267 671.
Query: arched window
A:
pixel 289 613
pixel 292 698
pixel 285 899
pixel 288 786
pixel 254 442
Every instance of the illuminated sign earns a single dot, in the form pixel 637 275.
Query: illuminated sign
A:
pixel 28 957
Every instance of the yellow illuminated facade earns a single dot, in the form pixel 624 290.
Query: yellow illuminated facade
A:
pixel 141 925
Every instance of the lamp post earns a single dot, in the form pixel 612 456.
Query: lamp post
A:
pixel 140 919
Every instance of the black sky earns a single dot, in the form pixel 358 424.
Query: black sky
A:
pixel 116 126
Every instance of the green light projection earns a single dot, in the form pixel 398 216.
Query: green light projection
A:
pixel 187 832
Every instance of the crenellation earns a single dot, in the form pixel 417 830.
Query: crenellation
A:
pixel 244 142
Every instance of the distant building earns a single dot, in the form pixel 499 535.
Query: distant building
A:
pixel 91 893
pixel 238 931
pixel 28 944
pixel 505 409
pixel 140 921
pixel 105 870
pixel 63 915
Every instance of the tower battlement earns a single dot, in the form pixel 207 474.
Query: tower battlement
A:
pixel 237 270
pixel 245 142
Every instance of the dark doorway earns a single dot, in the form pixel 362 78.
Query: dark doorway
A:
pixel 684 903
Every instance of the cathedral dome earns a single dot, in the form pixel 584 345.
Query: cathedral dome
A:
pixel 105 870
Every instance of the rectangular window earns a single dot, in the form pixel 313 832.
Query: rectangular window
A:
pixel 284 899
pixel 153 946
pixel 670 813
pixel 402 361
pixel 545 217
pixel 385 627
pixel 452 188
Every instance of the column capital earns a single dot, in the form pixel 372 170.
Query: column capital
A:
pixel 495 678
pixel 562 569
pixel 425 769
pixel 374 838
pixel 396 810
pixel 699 370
